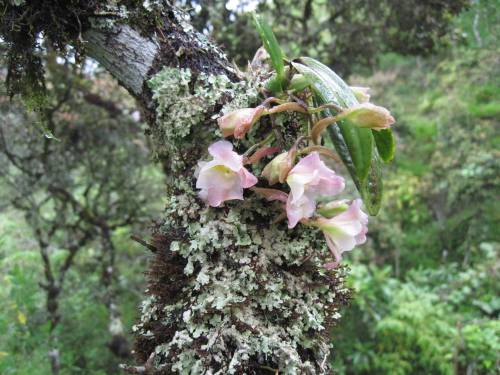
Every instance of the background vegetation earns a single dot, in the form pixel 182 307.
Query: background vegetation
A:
pixel 426 285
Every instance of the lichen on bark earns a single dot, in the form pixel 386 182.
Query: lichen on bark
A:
pixel 185 105
pixel 230 292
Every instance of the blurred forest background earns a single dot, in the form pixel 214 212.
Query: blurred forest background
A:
pixel 426 284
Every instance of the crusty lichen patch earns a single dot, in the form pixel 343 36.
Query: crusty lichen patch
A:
pixel 185 101
pixel 253 296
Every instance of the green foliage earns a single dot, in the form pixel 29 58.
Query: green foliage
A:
pixel 427 293
pixel 385 143
pixel 347 35
pixel 481 345
pixel 272 47
pixel 433 322
pixel 433 307
pixel 97 175
pixel 83 331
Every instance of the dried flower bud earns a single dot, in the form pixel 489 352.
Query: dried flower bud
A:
pixel 239 122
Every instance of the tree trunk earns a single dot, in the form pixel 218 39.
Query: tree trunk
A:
pixel 229 292
pixel 118 343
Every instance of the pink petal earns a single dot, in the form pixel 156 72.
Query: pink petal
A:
pixel 353 213
pixel 344 241
pixel 222 151
pixel 320 179
pixel 361 237
pixel 206 174
pixel 337 255
pixel 297 183
pixel 246 178
pixel 216 196
pixel 298 210
pixel 308 164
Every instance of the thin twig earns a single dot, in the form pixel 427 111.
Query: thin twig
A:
pixel 144 243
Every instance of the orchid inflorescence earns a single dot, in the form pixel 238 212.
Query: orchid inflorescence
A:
pixel 308 178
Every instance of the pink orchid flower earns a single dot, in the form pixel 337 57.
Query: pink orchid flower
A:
pixel 223 178
pixel 344 231
pixel 309 180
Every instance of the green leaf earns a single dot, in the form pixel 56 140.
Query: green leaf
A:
pixel 385 144
pixel 372 188
pixel 355 146
pixel 271 45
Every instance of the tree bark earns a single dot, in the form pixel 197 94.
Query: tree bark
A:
pixel 132 57
pixel 229 292
pixel 125 53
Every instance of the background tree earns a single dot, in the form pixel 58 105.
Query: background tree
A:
pixel 346 35
pixel 73 198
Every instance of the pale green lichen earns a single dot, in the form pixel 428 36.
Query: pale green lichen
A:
pixel 256 295
pixel 248 301
pixel 198 40
pixel 185 101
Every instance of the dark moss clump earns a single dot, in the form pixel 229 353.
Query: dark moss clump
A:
pixel 28 28
pixel 25 26
pixel 165 282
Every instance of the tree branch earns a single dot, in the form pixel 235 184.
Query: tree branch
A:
pixel 123 52
pixel 132 58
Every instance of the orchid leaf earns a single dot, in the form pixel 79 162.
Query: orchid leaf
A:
pixel 272 47
pixel 355 146
pixel 385 144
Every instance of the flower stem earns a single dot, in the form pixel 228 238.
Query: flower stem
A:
pixel 264 142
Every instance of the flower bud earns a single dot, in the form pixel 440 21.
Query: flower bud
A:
pixel 367 115
pixel 333 208
pixel 239 122
pixel 272 170
pixel 277 169
pixel 361 93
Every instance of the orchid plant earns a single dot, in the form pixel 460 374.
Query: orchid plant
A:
pixel 304 184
